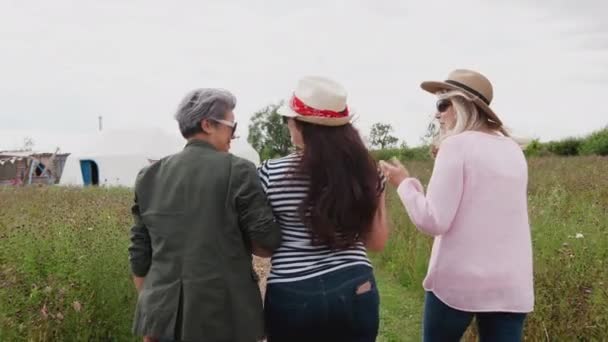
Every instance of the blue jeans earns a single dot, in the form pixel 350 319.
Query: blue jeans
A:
pixel 342 305
pixel 445 324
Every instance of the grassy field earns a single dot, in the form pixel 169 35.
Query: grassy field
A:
pixel 64 274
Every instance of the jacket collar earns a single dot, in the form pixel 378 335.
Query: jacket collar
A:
pixel 200 144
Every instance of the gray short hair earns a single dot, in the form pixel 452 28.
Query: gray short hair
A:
pixel 201 104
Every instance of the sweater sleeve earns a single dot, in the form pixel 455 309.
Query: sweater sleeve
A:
pixel 433 214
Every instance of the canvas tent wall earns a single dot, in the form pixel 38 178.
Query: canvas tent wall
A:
pixel 13 170
pixel 117 170
pixel 114 158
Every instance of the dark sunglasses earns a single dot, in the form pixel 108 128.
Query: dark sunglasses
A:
pixel 443 105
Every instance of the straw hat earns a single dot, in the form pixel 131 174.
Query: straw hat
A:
pixel 319 101
pixel 472 83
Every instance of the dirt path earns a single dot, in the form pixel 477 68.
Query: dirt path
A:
pixel 261 267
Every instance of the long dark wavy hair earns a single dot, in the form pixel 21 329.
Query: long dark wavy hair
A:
pixel 344 188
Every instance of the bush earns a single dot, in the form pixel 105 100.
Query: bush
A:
pixel 416 153
pixel 566 147
pixel 386 154
pixel 536 149
pixel 420 153
pixel 596 143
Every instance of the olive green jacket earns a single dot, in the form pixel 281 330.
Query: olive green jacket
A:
pixel 196 215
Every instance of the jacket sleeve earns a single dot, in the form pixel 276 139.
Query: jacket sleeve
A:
pixel 255 214
pixel 434 213
pixel 140 250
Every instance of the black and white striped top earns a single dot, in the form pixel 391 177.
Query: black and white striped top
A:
pixel 296 258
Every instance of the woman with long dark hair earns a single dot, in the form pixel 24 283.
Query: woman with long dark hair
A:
pixel 328 198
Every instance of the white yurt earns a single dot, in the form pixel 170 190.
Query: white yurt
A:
pixel 113 158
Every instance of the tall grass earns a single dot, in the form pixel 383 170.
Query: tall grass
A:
pixel 568 205
pixel 64 273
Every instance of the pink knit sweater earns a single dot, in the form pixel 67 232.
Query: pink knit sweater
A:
pixel 476 208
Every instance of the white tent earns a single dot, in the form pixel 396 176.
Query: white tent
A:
pixel 114 158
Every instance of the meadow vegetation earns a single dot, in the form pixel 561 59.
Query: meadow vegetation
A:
pixel 64 273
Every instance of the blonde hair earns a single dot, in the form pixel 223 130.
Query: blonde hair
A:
pixel 469 117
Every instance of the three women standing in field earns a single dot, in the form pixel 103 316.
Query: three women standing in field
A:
pixel 328 204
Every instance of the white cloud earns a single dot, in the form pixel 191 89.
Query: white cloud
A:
pixel 66 62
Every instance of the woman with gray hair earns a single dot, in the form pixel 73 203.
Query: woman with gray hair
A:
pixel 202 110
pixel 198 216
pixel 476 209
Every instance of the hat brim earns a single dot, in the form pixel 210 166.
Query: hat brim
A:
pixel 286 111
pixel 434 87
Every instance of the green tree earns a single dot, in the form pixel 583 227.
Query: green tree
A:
pixel 267 133
pixel 432 131
pixel 380 136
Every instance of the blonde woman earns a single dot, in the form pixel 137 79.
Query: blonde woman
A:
pixel 476 208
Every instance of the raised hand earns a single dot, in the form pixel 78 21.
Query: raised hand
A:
pixel 394 171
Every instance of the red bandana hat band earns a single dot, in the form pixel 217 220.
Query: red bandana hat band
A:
pixel 301 108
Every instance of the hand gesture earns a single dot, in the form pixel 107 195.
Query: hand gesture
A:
pixel 394 171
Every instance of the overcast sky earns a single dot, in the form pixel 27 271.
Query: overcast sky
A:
pixel 64 63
